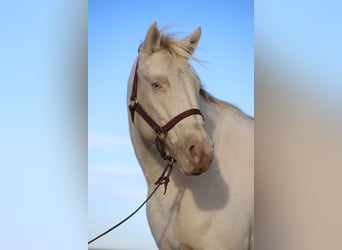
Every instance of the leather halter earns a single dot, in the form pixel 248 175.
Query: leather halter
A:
pixel 161 131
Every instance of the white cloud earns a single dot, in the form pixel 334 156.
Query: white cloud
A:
pixel 116 183
pixel 97 139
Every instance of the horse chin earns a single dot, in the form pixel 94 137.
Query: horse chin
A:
pixel 184 170
pixel 189 170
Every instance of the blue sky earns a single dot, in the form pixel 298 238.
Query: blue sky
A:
pixel 43 126
pixel 116 185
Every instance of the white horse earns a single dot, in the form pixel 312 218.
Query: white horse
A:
pixel 209 203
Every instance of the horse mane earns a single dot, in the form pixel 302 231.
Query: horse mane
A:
pixel 209 98
pixel 180 49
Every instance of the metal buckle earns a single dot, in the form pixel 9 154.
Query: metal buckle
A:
pixel 132 103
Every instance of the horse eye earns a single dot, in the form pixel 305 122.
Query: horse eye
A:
pixel 156 85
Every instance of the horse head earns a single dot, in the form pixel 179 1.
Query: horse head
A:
pixel 166 86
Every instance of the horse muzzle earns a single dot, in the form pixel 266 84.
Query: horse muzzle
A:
pixel 196 158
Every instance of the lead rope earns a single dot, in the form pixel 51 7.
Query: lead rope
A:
pixel 162 180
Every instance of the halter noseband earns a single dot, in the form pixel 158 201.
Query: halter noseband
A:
pixel 161 131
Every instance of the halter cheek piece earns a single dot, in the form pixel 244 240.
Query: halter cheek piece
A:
pixel 161 131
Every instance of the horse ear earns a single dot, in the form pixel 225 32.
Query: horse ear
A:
pixel 193 39
pixel 152 40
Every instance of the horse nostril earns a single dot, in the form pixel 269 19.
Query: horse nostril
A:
pixel 195 153
pixel 199 155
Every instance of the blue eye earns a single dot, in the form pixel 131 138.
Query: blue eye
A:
pixel 156 85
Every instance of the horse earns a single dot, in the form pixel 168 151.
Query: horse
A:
pixel 209 203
